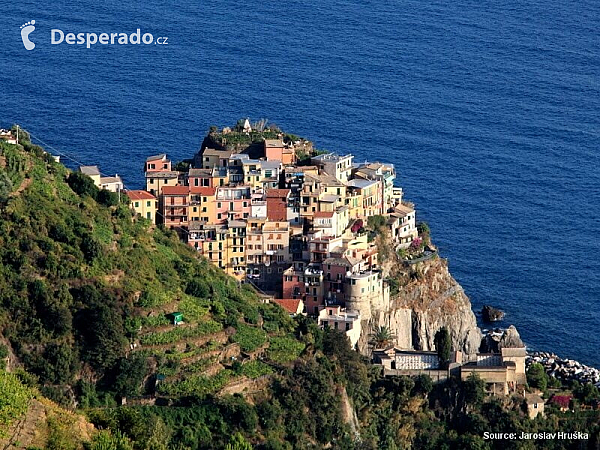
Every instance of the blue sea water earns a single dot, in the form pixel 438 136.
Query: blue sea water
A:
pixel 490 111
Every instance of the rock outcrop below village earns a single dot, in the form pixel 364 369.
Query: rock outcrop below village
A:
pixel 428 299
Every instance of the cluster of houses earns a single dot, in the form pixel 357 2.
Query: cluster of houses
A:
pixel 288 227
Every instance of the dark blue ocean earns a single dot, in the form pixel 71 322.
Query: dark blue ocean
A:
pixel 490 111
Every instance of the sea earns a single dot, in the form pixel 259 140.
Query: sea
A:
pixel 489 110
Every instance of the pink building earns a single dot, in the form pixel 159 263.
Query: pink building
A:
pixel 232 203
pixel 158 163
pixel 306 283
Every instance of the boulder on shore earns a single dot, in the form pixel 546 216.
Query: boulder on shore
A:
pixel 491 314
pixel 497 339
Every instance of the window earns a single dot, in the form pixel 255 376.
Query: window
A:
pixel 218 204
pixel 137 204
pixel 149 215
pixel 347 327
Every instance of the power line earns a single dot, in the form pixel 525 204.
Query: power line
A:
pixel 80 163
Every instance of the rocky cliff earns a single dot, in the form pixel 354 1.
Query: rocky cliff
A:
pixel 427 299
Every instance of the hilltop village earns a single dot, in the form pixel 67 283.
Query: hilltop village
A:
pixel 308 230
pixel 290 221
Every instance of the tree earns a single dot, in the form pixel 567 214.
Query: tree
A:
pixel 423 384
pixel 473 391
pixel 82 185
pixel 376 222
pixel 6 186
pixel 537 377
pixel 443 346
pixel 131 373
pixel 382 337
pixel 238 442
pixel 91 248
pixel 108 198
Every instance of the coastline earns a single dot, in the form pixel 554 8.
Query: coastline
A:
pixel 564 369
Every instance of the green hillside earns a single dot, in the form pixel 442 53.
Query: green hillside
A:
pixel 88 293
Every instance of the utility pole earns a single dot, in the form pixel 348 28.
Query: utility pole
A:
pixel 17 134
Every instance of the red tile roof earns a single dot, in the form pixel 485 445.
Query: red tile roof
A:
pixel 140 195
pixel 176 190
pixel 290 305
pixel 203 190
pixel 277 193
pixel 323 214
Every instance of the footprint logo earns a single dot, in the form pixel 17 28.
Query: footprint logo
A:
pixel 26 30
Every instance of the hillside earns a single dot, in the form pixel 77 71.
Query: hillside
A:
pixel 88 293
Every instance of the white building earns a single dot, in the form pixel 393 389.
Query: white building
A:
pixel 339 319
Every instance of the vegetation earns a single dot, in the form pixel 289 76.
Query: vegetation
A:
pixel 443 346
pixel 382 337
pixel 537 377
pixel 14 399
pixel 85 288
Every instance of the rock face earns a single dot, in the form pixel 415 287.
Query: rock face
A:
pixel 491 314
pixel 494 341
pixel 429 298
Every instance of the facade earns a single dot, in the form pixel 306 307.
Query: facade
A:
pixel 144 204
pixel 158 163
pixel 174 206
pixel 93 172
pixel 112 184
pixel 402 225
pixel 339 319
pixel 502 373
pixel 156 180
pixel 338 166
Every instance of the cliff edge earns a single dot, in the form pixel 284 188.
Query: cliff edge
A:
pixel 424 298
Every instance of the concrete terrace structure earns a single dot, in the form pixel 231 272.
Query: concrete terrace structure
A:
pixel 502 373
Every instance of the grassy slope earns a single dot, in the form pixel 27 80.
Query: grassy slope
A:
pixel 53 291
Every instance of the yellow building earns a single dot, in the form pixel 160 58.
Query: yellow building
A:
pixel 144 204
pixel 155 181
pixel 203 204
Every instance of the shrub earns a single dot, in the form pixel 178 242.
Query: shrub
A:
pixel 91 248
pixel 376 222
pixel 82 185
pixel 107 198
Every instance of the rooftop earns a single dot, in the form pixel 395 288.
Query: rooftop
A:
pixel 274 193
pixel 290 305
pixel 90 170
pixel 361 184
pixel 140 195
pixel 162 174
pixel 273 143
pixel 203 190
pixel 156 157
pixel 175 190
pixel 334 157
